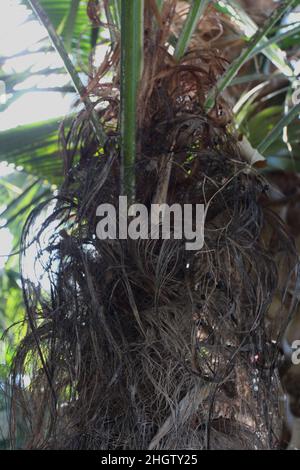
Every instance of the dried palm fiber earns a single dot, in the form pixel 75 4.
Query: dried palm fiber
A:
pixel 284 200
pixel 140 344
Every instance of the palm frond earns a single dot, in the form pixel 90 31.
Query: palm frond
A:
pixel 35 148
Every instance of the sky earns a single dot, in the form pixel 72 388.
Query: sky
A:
pixel 19 32
pixel 16 35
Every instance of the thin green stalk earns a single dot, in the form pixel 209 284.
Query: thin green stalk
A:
pixel 279 37
pixel 117 10
pixel 70 23
pixel 59 46
pixel 251 78
pixel 237 64
pixel 132 30
pixel 278 129
pixel 110 21
pixel 249 28
pixel 196 12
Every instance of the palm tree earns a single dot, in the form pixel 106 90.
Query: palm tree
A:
pixel 141 344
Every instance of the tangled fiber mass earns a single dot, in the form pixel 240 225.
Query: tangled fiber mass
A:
pixel 140 344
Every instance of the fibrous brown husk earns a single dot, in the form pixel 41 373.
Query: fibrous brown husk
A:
pixel 139 344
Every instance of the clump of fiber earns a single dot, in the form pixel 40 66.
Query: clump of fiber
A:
pixel 141 344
